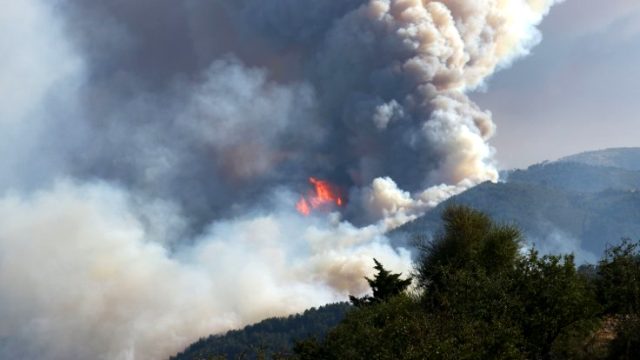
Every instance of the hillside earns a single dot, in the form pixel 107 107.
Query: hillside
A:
pixel 577 177
pixel 622 158
pixel 475 296
pixel 577 204
pixel 268 337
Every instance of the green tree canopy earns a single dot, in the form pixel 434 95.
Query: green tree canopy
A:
pixel 470 239
pixel 618 279
pixel 479 297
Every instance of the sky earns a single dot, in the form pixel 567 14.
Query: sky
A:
pixel 577 91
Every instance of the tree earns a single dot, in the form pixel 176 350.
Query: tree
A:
pixel 471 246
pixel 474 272
pixel 470 239
pixel 618 290
pixel 618 280
pixel 626 344
pixel 384 286
pixel 395 329
pixel 557 305
pixel 479 297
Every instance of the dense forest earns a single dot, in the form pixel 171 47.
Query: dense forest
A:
pixel 270 337
pixel 476 295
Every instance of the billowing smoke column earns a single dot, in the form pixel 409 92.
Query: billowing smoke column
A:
pixel 152 154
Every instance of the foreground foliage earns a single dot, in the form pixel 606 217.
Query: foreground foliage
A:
pixel 479 297
pixel 268 339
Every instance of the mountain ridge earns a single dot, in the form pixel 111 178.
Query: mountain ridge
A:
pixel 580 203
pixel 627 158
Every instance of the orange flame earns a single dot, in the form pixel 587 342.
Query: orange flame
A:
pixel 323 196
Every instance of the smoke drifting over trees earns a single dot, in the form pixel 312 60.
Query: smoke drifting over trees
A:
pixel 151 154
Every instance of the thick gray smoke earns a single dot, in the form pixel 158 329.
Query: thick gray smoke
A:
pixel 151 154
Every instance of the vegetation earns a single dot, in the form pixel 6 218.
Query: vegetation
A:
pixel 477 295
pixel 269 338
pixel 619 279
pixel 384 286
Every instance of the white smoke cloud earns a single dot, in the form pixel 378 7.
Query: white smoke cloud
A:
pixel 27 35
pixel 556 241
pixel 35 68
pixel 433 53
pixel 81 276
pixel 233 112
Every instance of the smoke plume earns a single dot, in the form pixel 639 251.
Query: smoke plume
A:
pixel 152 153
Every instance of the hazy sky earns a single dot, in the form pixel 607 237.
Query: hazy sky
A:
pixel 577 91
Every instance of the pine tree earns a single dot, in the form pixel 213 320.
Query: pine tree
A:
pixel 384 285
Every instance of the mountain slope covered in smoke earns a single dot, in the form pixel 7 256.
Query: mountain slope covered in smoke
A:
pixel 578 204
pixel 152 153
pixel 269 337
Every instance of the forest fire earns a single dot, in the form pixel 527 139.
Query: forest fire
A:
pixel 323 196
